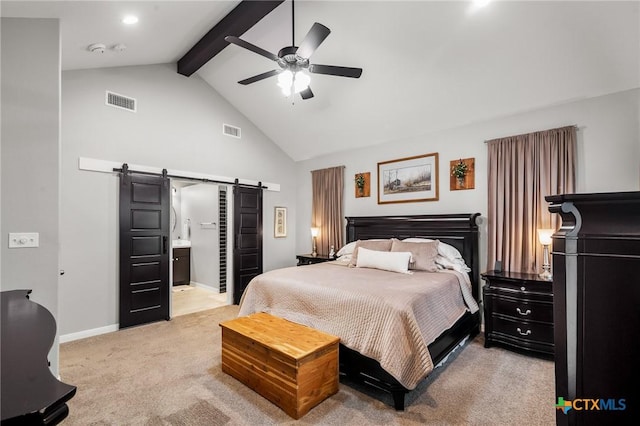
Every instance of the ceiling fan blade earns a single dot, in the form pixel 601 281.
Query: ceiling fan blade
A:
pixel 333 70
pixel 252 47
pixel 312 40
pixel 306 93
pixel 259 77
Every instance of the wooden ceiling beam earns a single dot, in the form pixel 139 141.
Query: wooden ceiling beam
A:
pixel 237 22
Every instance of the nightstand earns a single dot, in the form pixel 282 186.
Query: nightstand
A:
pixel 518 311
pixel 308 259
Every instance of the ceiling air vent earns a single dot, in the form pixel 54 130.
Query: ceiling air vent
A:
pixel 120 101
pixel 230 130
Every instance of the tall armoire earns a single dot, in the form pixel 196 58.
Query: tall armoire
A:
pixel 596 288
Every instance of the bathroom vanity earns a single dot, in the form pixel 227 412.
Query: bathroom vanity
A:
pixel 181 264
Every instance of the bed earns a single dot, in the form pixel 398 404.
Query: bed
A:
pixel 385 341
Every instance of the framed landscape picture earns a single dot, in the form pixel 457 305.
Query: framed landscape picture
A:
pixel 408 179
pixel 280 222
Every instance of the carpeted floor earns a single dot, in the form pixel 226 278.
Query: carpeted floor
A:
pixel 168 373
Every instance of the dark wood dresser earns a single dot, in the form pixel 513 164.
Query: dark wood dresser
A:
pixel 31 395
pixel 596 259
pixel 518 312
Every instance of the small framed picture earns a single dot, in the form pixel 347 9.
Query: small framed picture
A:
pixel 280 222
pixel 462 174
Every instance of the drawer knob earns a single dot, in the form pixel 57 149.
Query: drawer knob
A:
pixel 525 313
pixel 528 332
pixel 522 288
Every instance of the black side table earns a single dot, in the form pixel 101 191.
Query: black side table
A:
pixel 308 259
pixel 518 311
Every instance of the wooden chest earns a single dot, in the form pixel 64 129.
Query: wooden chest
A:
pixel 293 366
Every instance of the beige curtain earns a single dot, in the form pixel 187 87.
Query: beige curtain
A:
pixel 522 171
pixel 326 207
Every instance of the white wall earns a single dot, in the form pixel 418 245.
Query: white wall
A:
pixel 200 205
pixel 31 158
pixel 178 126
pixel 608 159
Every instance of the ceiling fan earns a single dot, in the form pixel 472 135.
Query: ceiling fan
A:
pixel 294 60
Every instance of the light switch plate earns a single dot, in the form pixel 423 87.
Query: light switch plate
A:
pixel 24 239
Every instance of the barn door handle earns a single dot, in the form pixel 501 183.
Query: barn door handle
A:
pixel 164 245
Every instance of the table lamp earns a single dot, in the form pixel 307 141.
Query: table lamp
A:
pixel 314 235
pixel 544 236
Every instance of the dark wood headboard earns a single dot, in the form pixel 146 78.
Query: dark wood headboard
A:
pixel 458 230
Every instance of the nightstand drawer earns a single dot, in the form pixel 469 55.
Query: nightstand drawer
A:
pixel 529 331
pixel 523 309
pixel 523 288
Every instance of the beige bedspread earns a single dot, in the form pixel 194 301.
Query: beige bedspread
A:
pixel 387 316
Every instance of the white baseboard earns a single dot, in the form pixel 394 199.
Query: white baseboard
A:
pixel 64 338
pixel 205 286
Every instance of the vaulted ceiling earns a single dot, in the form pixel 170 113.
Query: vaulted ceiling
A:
pixel 427 65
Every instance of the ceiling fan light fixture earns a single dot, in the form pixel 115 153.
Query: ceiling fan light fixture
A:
pixel 301 81
pixel 293 59
pixel 289 82
pixel 285 80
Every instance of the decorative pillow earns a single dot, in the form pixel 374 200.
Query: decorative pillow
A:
pixel 444 249
pixel 385 260
pixel 377 245
pixel 423 255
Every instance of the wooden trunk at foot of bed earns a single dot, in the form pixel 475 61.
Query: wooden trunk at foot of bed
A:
pixel 291 365
pixel 457 230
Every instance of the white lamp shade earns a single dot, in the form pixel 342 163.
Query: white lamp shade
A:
pixel 544 236
pixel 285 79
pixel 315 232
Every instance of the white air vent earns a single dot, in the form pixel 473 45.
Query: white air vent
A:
pixel 230 130
pixel 121 101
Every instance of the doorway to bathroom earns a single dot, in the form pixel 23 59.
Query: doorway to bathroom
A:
pixel 199 249
pixel 152 224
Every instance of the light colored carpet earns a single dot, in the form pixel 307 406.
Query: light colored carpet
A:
pixel 168 373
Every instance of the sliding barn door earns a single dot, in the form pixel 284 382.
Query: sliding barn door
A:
pixel 247 224
pixel 144 242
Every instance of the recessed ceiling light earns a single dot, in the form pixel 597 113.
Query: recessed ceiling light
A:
pixel 130 19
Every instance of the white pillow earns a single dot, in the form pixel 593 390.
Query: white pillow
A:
pixel 444 249
pixel 456 265
pixel 350 247
pixel 396 261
